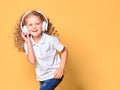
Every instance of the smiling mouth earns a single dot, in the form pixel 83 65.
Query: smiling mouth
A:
pixel 35 31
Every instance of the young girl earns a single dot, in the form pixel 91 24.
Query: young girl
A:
pixel 42 49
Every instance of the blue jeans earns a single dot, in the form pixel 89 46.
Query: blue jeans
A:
pixel 50 84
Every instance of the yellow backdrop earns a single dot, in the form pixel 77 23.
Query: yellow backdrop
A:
pixel 90 29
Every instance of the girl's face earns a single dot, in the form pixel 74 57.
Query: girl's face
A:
pixel 34 25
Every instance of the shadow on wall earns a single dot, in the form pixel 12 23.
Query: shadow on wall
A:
pixel 70 81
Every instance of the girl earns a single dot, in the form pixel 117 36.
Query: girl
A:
pixel 42 49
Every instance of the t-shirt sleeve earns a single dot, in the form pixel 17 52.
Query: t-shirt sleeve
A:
pixel 57 44
pixel 26 48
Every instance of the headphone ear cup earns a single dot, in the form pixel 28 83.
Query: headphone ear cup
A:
pixel 25 30
pixel 44 26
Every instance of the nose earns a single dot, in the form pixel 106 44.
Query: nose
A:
pixel 34 26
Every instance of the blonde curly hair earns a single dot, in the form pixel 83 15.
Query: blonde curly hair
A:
pixel 19 41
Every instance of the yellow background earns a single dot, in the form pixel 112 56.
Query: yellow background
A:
pixel 90 29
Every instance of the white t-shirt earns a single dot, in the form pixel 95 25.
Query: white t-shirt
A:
pixel 48 59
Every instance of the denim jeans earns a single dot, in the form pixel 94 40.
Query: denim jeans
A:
pixel 49 84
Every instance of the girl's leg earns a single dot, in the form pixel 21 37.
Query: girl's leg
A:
pixel 50 84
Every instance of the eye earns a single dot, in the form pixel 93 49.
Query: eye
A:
pixel 37 23
pixel 30 25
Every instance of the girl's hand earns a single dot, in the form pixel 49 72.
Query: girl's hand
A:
pixel 26 37
pixel 59 73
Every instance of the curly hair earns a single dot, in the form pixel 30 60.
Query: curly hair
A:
pixel 19 41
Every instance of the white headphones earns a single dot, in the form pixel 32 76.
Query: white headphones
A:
pixel 44 23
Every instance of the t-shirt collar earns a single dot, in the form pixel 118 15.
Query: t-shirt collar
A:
pixel 42 40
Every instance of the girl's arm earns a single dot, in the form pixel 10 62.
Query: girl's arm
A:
pixel 59 72
pixel 30 55
pixel 63 58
